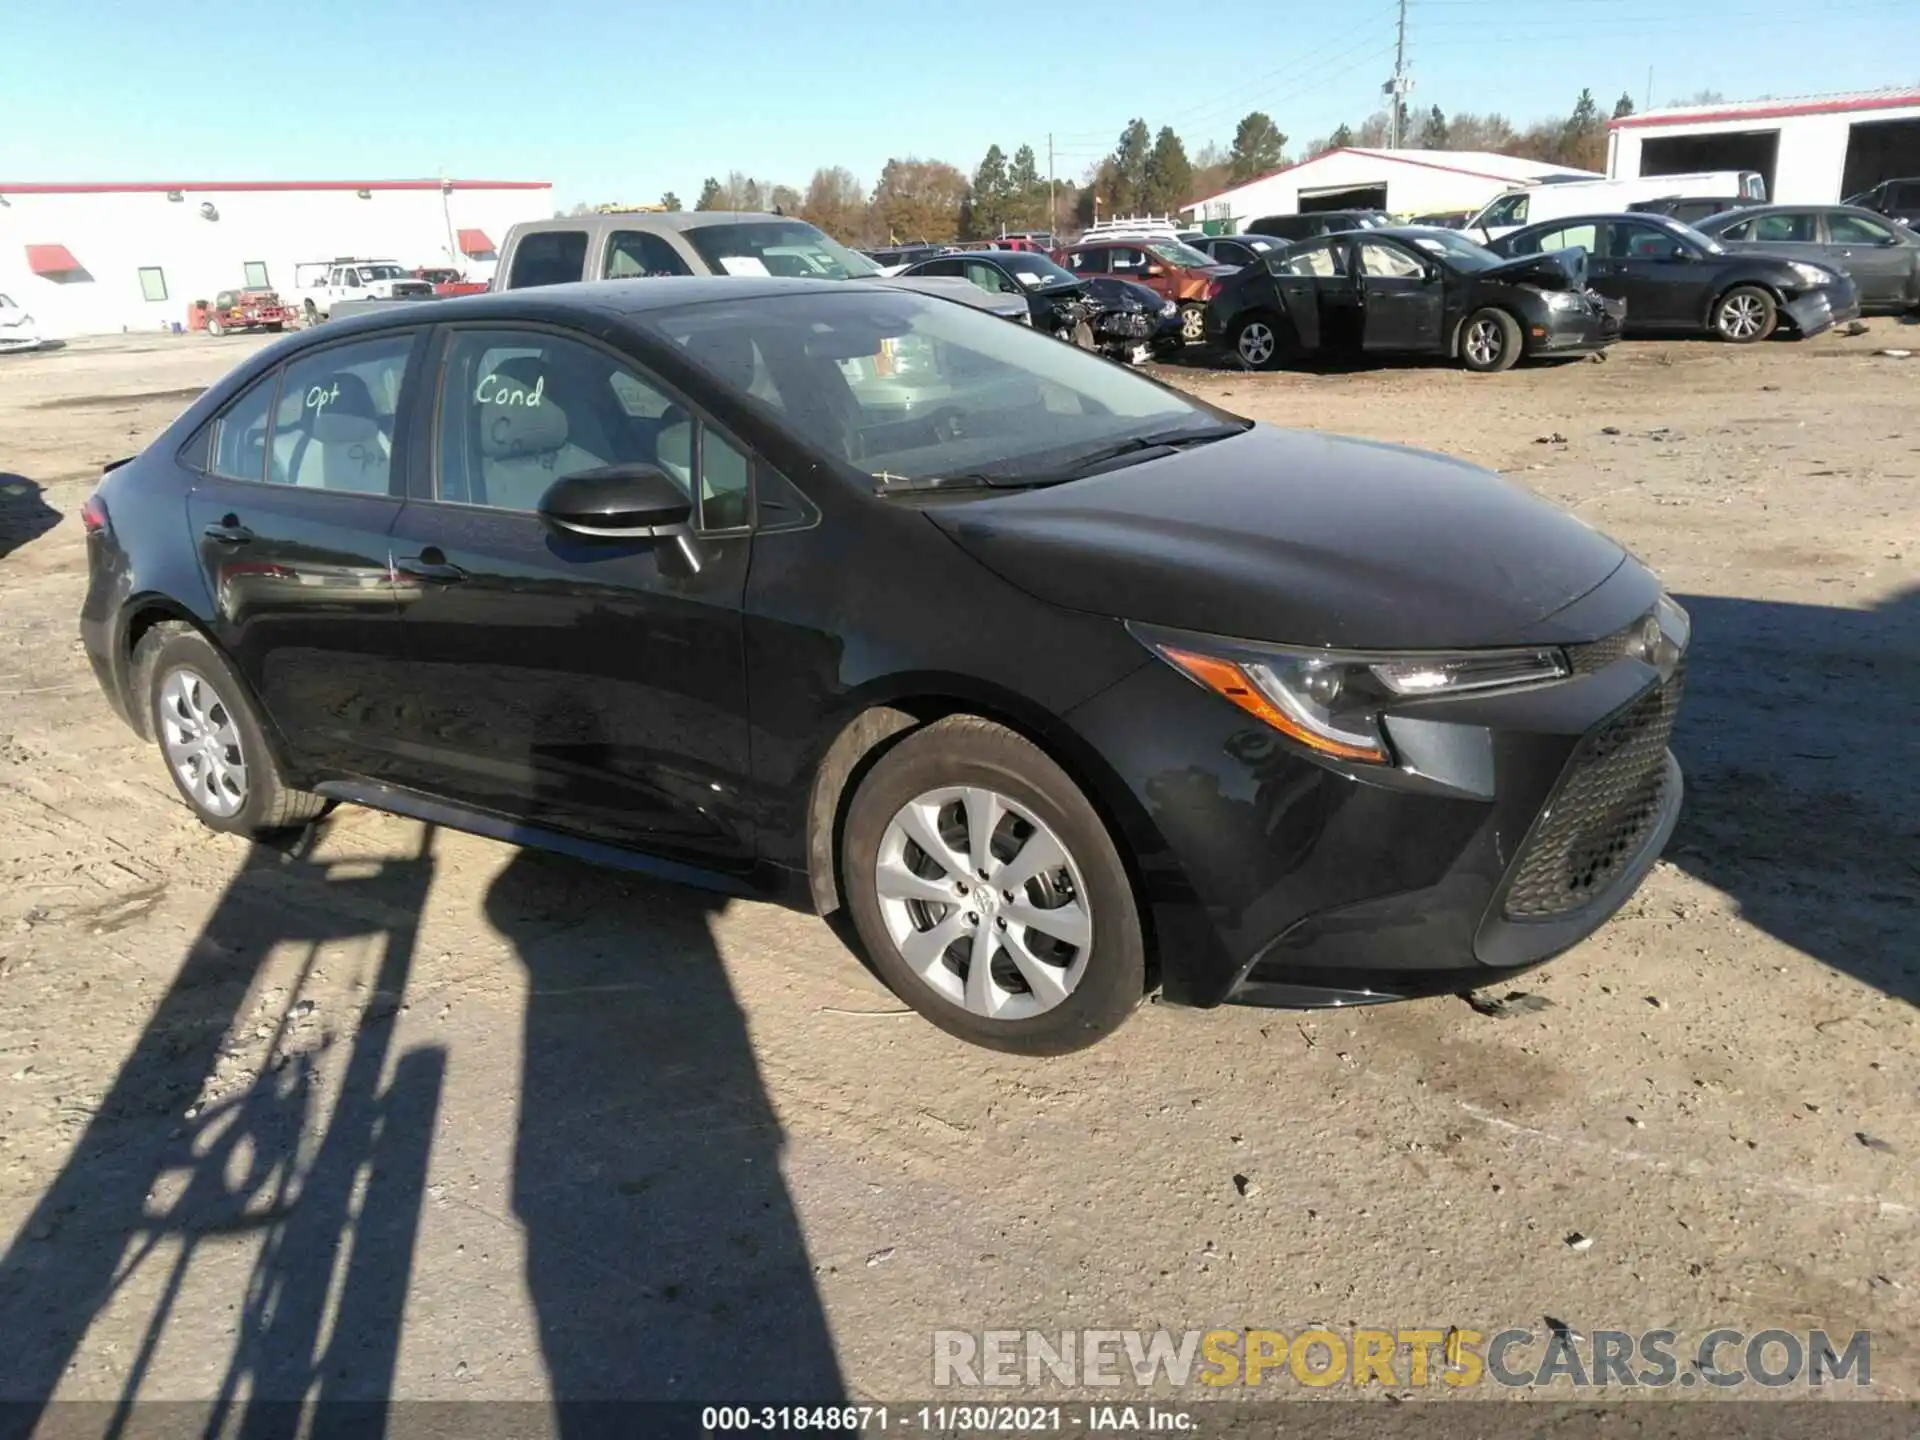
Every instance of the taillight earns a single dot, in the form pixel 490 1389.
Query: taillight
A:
pixel 93 515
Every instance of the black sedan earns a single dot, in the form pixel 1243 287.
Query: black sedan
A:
pixel 1133 323
pixel 1063 685
pixel 1408 291
pixel 1056 297
pixel 1674 279
pixel 1880 256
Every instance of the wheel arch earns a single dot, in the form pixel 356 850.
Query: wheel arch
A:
pixel 1460 326
pixel 887 713
pixel 146 613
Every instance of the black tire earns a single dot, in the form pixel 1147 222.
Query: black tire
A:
pixel 214 327
pixel 1489 341
pixel 967 751
pixel 1193 322
pixel 1745 315
pixel 1245 344
pixel 267 803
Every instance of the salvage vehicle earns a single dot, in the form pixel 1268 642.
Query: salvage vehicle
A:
pixel 1170 268
pixel 1132 323
pixel 1675 279
pixel 1312 224
pixel 1881 256
pixel 1131 693
pixel 246 310
pixel 17 329
pixel 1410 291
pixel 1559 199
pixel 1895 199
pixel 617 245
pixel 1056 297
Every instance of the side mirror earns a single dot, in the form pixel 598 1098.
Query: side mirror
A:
pixel 617 502
pixel 1154 272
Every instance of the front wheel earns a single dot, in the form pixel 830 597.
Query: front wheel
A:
pixel 211 740
pixel 1256 342
pixel 1744 315
pixel 214 327
pixel 1193 323
pixel 988 893
pixel 1490 341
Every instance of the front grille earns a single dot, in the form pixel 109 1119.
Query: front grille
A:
pixel 1608 801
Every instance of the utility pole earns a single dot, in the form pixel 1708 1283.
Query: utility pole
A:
pixel 1396 89
pixel 1649 104
pixel 1050 195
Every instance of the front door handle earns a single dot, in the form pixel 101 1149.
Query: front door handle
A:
pixel 430 565
pixel 229 531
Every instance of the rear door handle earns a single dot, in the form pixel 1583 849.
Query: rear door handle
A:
pixel 432 566
pixel 229 531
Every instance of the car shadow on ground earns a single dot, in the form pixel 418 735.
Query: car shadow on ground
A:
pixel 1799 740
pixel 664 1258
pixel 24 513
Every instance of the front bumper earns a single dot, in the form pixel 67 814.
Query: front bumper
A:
pixel 1512 827
pixel 1579 332
pixel 1820 310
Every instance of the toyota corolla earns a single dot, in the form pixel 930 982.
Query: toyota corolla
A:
pixel 1063 685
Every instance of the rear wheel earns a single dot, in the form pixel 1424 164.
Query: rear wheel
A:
pixel 1193 323
pixel 210 738
pixel 214 326
pixel 988 893
pixel 1256 342
pixel 1745 314
pixel 1489 341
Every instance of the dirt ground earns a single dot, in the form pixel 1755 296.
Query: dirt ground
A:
pixel 396 1111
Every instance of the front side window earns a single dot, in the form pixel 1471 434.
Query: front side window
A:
pixel 1643 242
pixel 1091 261
pixel 988 277
pixel 521 409
pixel 1741 231
pixel 905 387
pixel 1782 227
pixel 333 428
pixel 1856 230
pixel 548 257
pixel 1507 210
pixel 1317 261
pixel 1584 237
pixel 153 282
pixel 634 254
pixel 778 247
pixel 1390 262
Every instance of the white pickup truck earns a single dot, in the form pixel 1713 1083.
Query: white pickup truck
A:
pixel 319 285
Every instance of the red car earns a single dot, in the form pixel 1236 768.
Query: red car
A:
pixel 447 281
pixel 246 310
pixel 1170 268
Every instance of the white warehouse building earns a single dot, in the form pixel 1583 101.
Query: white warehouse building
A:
pixel 1403 182
pixel 88 259
pixel 1811 151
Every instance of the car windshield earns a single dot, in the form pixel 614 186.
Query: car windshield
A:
pixel 778 247
pixel 1034 271
pixel 1457 250
pixel 915 391
pixel 1176 252
pixel 380 272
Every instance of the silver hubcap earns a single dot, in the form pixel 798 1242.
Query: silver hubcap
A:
pixel 1483 342
pixel 1193 323
pixel 983 902
pixel 1256 344
pixel 202 742
pixel 1741 316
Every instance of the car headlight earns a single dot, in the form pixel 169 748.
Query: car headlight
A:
pixel 1331 701
pixel 1565 300
pixel 1662 636
pixel 1169 308
pixel 1813 274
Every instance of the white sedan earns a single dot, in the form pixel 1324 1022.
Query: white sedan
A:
pixel 17 330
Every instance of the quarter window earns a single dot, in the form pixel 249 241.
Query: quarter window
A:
pixel 1853 230
pixel 153 282
pixel 632 254
pixel 519 410
pixel 333 428
pixel 548 257
pixel 240 435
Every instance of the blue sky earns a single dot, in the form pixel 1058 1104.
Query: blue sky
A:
pixel 618 102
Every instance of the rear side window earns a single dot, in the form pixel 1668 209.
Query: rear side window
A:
pixel 333 428
pixel 240 435
pixel 548 257
pixel 1905 195
pixel 632 254
pixel 1319 261
pixel 1091 261
pixel 1782 227
pixel 1742 231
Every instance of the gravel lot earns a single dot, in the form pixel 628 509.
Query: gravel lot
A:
pixel 402 1111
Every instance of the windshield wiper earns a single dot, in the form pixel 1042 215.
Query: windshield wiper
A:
pixel 1121 452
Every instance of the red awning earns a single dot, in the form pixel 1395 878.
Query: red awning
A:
pixel 475 243
pixel 51 260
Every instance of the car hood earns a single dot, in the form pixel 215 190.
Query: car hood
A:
pixel 1555 270
pixel 1297 538
pixel 952 287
